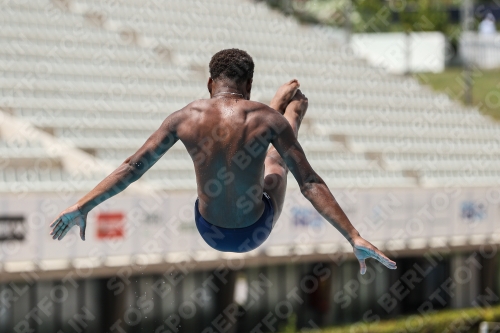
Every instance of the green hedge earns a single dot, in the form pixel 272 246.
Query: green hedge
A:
pixel 445 321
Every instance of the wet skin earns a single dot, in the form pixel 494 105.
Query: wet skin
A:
pixel 227 137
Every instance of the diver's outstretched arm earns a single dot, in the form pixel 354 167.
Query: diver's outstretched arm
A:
pixel 127 173
pixel 318 193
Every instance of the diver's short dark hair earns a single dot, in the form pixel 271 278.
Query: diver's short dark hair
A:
pixel 233 64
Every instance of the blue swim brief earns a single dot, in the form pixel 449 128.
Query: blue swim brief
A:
pixel 237 239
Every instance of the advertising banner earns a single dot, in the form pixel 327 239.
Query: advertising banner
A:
pixel 134 225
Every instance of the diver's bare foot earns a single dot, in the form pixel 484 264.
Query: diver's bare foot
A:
pixel 284 95
pixel 298 104
pixel 296 110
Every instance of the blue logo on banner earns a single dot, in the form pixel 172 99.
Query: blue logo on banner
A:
pixel 473 211
pixel 305 217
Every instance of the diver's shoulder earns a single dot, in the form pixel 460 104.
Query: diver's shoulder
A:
pixel 198 105
pixel 205 104
pixel 258 105
pixel 266 115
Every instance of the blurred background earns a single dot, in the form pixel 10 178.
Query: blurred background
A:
pixel 404 102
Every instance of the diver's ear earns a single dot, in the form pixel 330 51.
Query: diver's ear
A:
pixel 209 86
pixel 249 87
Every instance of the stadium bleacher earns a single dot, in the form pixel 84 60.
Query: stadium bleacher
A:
pixel 93 86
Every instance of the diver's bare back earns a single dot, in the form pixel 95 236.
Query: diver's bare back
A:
pixel 227 138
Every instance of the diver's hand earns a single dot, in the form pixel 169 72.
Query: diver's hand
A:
pixel 67 219
pixel 364 250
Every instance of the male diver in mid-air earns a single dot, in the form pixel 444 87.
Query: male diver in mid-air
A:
pixel 241 183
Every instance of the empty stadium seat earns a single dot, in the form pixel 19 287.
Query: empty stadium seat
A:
pixel 102 76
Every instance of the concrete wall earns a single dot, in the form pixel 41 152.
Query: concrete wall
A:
pixel 318 294
pixel 482 51
pixel 398 52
